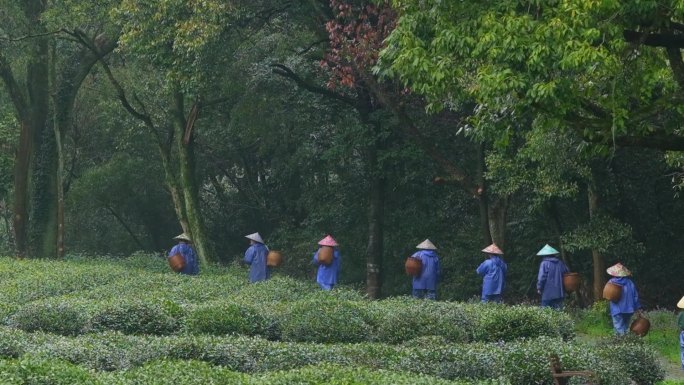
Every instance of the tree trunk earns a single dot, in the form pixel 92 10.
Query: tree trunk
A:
pixel 597 258
pixel 374 250
pixel 59 128
pixel 188 183
pixel 482 197
pixel 22 166
pixel 497 221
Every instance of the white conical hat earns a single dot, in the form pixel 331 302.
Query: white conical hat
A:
pixel 426 245
pixel 255 237
pixel 183 237
pixel 680 304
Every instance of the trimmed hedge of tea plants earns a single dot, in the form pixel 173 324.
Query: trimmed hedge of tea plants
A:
pixel 520 362
pixel 325 320
pixel 40 371
pixel 77 297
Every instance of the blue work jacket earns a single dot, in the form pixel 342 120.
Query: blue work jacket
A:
pixel 255 257
pixel 429 274
pixel 191 260
pixel 550 278
pixel 328 274
pixel 493 272
pixel 629 300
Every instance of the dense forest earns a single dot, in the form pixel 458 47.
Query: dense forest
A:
pixel 126 122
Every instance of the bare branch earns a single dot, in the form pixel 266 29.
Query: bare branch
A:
pixel 286 72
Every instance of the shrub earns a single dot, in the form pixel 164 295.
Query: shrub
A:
pixel 60 317
pixel 325 322
pixel 494 322
pixel 402 319
pixel 229 318
pixel 137 318
pixel 632 356
pixel 178 372
pixel 38 371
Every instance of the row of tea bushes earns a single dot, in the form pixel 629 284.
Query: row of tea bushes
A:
pixel 520 362
pixel 107 279
pixel 320 318
pixel 40 371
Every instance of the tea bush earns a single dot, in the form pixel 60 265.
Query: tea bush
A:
pixel 58 317
pixel 39 371
pixel 520 362
pixel 229 318
pixel 495 322
pixel 326 322
pixel 401 319
pixel 632 356
pixel 137 318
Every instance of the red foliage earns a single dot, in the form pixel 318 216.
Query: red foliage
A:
pixel 356 33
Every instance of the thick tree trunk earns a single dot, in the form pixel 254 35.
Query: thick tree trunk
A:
pixel 188 182
pixel 22 166
pixel 374 250
pixel 597 258
pixel 497 221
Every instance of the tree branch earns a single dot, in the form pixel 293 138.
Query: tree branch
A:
pixel 666 40
pixel 284 71
pixel 13 87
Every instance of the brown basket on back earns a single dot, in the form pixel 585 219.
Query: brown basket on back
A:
pixel 413 266
pixel 177 262
pixel 325 255
pixel 274 258
pixel 640 326
pixel 612 292
pixel 571 282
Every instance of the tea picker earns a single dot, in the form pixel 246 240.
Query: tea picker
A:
pixel 256 258
pixel 327 257
pixel 182 257
pixel 425 283
pixel 493 272
pixel 680 323
pixel 550 278
pixel 623 307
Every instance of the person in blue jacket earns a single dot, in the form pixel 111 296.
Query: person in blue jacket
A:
pixel 185 249
pixel 680 323
pixel 550 278
pixel 327 275
pixel 621 311
pixel 425 284
pixel 493 272
pixel 255 257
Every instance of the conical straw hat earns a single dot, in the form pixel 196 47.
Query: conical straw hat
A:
pixel 617 270
pixel 680 304
pixel 548 250
pixel 328 241
pixel 183 237
pixel 426 245
pixel 255 237
pixel 492 249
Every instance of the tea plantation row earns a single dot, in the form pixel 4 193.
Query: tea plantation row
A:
pixel 40 371
pixel 521 362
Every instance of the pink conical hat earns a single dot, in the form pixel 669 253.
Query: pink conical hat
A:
pixel 492 249
pixel 617 270
pixel 328 241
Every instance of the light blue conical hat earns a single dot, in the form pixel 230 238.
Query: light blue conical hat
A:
pixel 548 250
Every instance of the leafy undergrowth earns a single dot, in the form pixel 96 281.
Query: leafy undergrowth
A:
pixel 120 321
